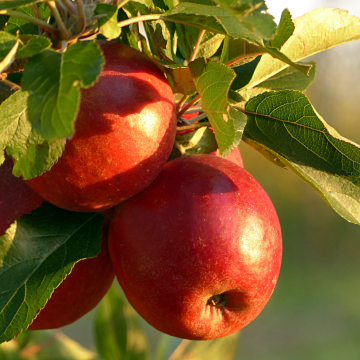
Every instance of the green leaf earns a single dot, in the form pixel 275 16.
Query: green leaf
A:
pixel 34 46
pixel 283 31
pixel 187 38
pixel 329 28
pixel 32 153
pixel 7 42
pixel 38 158
pixel 276 54
pixel 53 81
pixel 15 129
pixel 223 348
pixel 341 192
pixel 144 7
pixel 237 52
pixel 289 78
pixel 13 4
pixel 209 45
pixel 53 345
pixel 22 26
pixel 37 253
pixel 199 141
pixel 118 331
pixel 244 74
pixel 210 18
pixel 252 14
pixel 286 123
pixel 212 81
pixel 164 38
pixel 108 24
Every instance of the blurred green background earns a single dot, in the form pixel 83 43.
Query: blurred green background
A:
pixel 314 312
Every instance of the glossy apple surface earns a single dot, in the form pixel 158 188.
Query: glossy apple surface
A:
pixel 124 134
pixel 16 198
pixel 198 252
pixel 82 289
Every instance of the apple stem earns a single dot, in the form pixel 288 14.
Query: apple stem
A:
pixel 192 126
pixel 188 106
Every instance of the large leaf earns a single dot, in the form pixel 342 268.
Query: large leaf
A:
pixel 212 81
pixel 118 331
pixel 210 18
pixel 53 81
pixel 252 14
pixel 287 79
pixel 36 253
pixel 35 45
pixel 286 123
pixel 341 192
pixel 315 31
pixel 237 52
pixel 177 349
pixel 33 154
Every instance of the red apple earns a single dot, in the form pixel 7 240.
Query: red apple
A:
pixel 198 252
pixel 16 198
pixel 124 134
pixel 82 289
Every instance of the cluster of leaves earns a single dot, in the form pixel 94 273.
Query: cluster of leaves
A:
pixel 227 55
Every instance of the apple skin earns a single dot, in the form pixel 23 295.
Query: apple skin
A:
pixel 198 252
pixel 82 289
pixel 124 134
pixel 16 198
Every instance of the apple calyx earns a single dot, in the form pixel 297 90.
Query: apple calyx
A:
pixel 219 301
